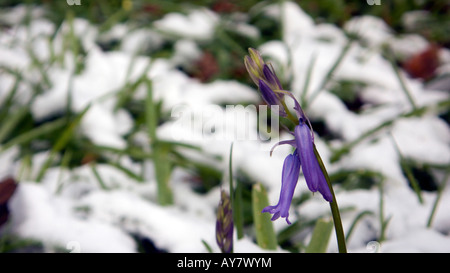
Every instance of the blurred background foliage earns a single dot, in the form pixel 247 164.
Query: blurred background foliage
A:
pixel 221 59
pixel 434 24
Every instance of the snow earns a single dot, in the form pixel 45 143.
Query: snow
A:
pixel 42 216
pixel 70 207
pixel 372 29
pixel 428 129
pixel 197 24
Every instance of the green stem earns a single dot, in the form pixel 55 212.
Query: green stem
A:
pixel 408 171
pixel 303 99
pixel 160 151
pixel 236 198
pixel 396 69
pixel 334 208
pixel 290 116
pixel 383 221
pixel 438 198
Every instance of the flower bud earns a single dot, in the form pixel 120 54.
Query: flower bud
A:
pixel 224 224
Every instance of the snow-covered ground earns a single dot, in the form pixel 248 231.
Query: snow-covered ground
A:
pixel 69 207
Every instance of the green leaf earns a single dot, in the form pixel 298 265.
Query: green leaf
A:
pixel 161 151
pixel 236 198
pixel 238 214
pixel 207 246
pixel 265 234
pixel 28 136
pixel 320 237
pixel 62 141
pixel 11 122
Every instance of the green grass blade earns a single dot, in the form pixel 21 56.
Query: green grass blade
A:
pixel 265 234
pixel 28 136
pixel 438 198
pixel 238 211
pixel 236 199
pixel 62 141
pixel 320 237
pixel 10 123
pixel 160 150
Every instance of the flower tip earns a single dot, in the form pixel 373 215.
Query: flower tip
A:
pixel 252 51
pixel 256 57
pixel 326 194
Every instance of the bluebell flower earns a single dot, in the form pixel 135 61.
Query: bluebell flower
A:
pixel 289 178
pixel 315 179
pixel 304 156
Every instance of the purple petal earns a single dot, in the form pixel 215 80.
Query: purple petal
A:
pixel 270 97
pixel 267 93
pixel 271 78
pixel 314 176
pixel 291 170
pixel 290 142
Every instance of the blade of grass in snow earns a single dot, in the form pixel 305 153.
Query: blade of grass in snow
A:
pixel 98 177
pixel 438 197
pixel 265 234
pixel 62 141
pixel 10 123
pixel 160 151
pixel 25 168
pixel 230 174
pixel 320 237
pixel 28 136
pixel 127 92
pixel 415 112
pixel 132 152
pixel 329 74
pixel 383 221
pixel 8 101
pixel 307 80
pixel 127 171
pixel 238 210
pixel 64 164
pixel 236 199
pixel 390 56
pixel 357 219
pixel 207 246
pixel 409 175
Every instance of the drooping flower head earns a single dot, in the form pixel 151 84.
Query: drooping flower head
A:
pixel 315 179
pixel 289 177
pixel 304 156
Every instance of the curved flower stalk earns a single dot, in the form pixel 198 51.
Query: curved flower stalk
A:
pixel 305 155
